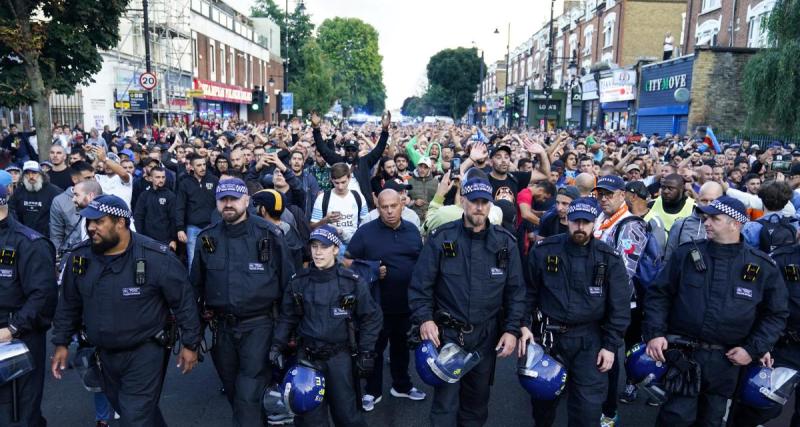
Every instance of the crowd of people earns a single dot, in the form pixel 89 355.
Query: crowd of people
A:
pixel 284 239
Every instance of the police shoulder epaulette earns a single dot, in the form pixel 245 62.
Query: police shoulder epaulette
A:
pixel 785 250
pixel 501 229
pixel 552 240
pixel 446 226
pixel 347 273
pixel 210 226
pixel 762 255
pixel 303 272
pixel 699 242
pixel 155 246
pixel 29 233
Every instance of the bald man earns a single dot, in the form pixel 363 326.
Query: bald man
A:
pixel 691 228
pixel 585 183
pixel 673 203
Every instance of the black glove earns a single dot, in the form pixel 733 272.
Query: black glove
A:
pixel 276 357
pixel 413 338
pixel 683 374
pixel 365 363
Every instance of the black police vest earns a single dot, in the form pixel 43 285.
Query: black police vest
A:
pixel 324 313
pixel 12 238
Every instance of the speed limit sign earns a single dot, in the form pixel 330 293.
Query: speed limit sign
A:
pixel 148 81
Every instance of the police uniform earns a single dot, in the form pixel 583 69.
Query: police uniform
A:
pixel 319 306
pixel 239 274
pixel 708 299
pixel 28 295
pixel 471 285
pixel 787 350
pixel 125 303
pixel 582 295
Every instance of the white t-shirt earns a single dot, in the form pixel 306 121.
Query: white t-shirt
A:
pixel 112 184
pixel 347 206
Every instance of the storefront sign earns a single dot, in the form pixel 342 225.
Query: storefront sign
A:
pixel 624 77
pixel 222 92
pixel 610 92
pixel 666 83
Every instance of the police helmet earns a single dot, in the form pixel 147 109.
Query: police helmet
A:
pixel 84 362
pixel 641 368
pixel 768 387
pixel 303 388
pixel 541 375
pixel 437 367
pixel 15 360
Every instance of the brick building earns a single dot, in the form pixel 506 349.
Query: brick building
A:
pixel 725 23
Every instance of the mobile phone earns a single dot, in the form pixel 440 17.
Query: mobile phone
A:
pixel 455 164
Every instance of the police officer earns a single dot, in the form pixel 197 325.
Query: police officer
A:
pixel 154 214
pixel 468 281
pixel 28 295
pixel 324 305
pixel 241 267
pixel 716 306
pixel 787 350
pixel 580 291
pixel 128 291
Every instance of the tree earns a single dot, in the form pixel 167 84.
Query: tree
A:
pixel 313 90
pixel 299 29
pixel 352 46
pixel 414 106
pixel 771 84
pixel 453 75
pixel 48 46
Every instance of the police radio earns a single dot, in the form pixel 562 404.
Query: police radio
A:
pixel 140 273
pixel 264 250
pixel 697 258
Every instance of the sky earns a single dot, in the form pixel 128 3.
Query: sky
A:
pixel 411 31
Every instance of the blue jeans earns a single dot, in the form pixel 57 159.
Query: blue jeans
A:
pixel 192 231
pixel 102 408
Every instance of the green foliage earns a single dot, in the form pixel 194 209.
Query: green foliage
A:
pixel 453 75
pixel 300 30
pixel 352 47
pixel 314 89
pixel 62 48
pixel 415 106
pixel 771 84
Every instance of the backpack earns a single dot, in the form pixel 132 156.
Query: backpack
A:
pixel 776 232
pixel 651 261
pixel 326 200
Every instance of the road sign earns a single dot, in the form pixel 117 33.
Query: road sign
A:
pixel 138 100
pixel 287 103
pixel 122 105
pixel 148 81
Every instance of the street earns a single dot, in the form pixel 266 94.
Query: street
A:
pixel 194 400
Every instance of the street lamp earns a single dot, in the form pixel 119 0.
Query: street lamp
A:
pixel 271 81
pixel 508 59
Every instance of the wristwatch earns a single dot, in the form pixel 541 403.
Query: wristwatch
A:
pixel 14 330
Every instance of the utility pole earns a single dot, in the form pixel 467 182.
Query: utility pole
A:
pixel 508 76
pixel 147 64
pixel 480 95
pixel 548 79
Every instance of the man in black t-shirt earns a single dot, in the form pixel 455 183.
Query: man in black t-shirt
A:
pixel 554 221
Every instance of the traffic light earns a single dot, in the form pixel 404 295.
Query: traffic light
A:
pixel 259 99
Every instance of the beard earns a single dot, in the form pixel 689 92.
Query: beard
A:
pixel 105 244
pixel 231 215
pixel 35 187
pixel 475 220
pixel 579 238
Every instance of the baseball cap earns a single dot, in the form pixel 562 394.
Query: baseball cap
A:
pixel 327 235
pixel 46 163
pixel 728 206
pixel 477 188
pixel 13 168
pixel 570 191
pixel 425 160
pixel 233 187
pixel 271 200
pixel 638 189
pixel 500 148
pixel 584 208
pixel 558 164
pixel 106 204
pixel 127 152
pixel 5 178
pixel 350 145
pixel 632 166
pixel 610 183
pixel 31 165
pixel 396 184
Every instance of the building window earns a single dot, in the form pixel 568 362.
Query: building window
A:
pixel 757 19
pixel 709 5
pixel 195 54
pixel 248 72
pixel 588 35
pixel 608 29
pixel 212 59
pixel 222 59
pixel 705 34
pixel 573 46
pixel 608 58
pixel 559 53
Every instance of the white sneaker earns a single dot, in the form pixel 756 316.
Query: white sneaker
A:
pixel 369 401
pixel 412 394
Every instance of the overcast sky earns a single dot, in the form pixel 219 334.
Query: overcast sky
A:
pixel 411 31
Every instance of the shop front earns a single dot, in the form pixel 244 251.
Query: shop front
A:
pixel 664 96
pixel 617 95
pixel 546 112
pixel 590 102
pixel 221 100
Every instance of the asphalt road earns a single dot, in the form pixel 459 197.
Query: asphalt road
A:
pixel 194 400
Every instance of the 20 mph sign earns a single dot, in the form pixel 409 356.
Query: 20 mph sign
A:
pixel 148 81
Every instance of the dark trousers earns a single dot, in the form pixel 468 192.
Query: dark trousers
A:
pixel 786 355
pixel 718 378
pixel 340 396
pixel 633 336
pixel 586 385
pixel 240 357
pixel 395 328
pixel 132 382
pixel 29 388
pixel 466 403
